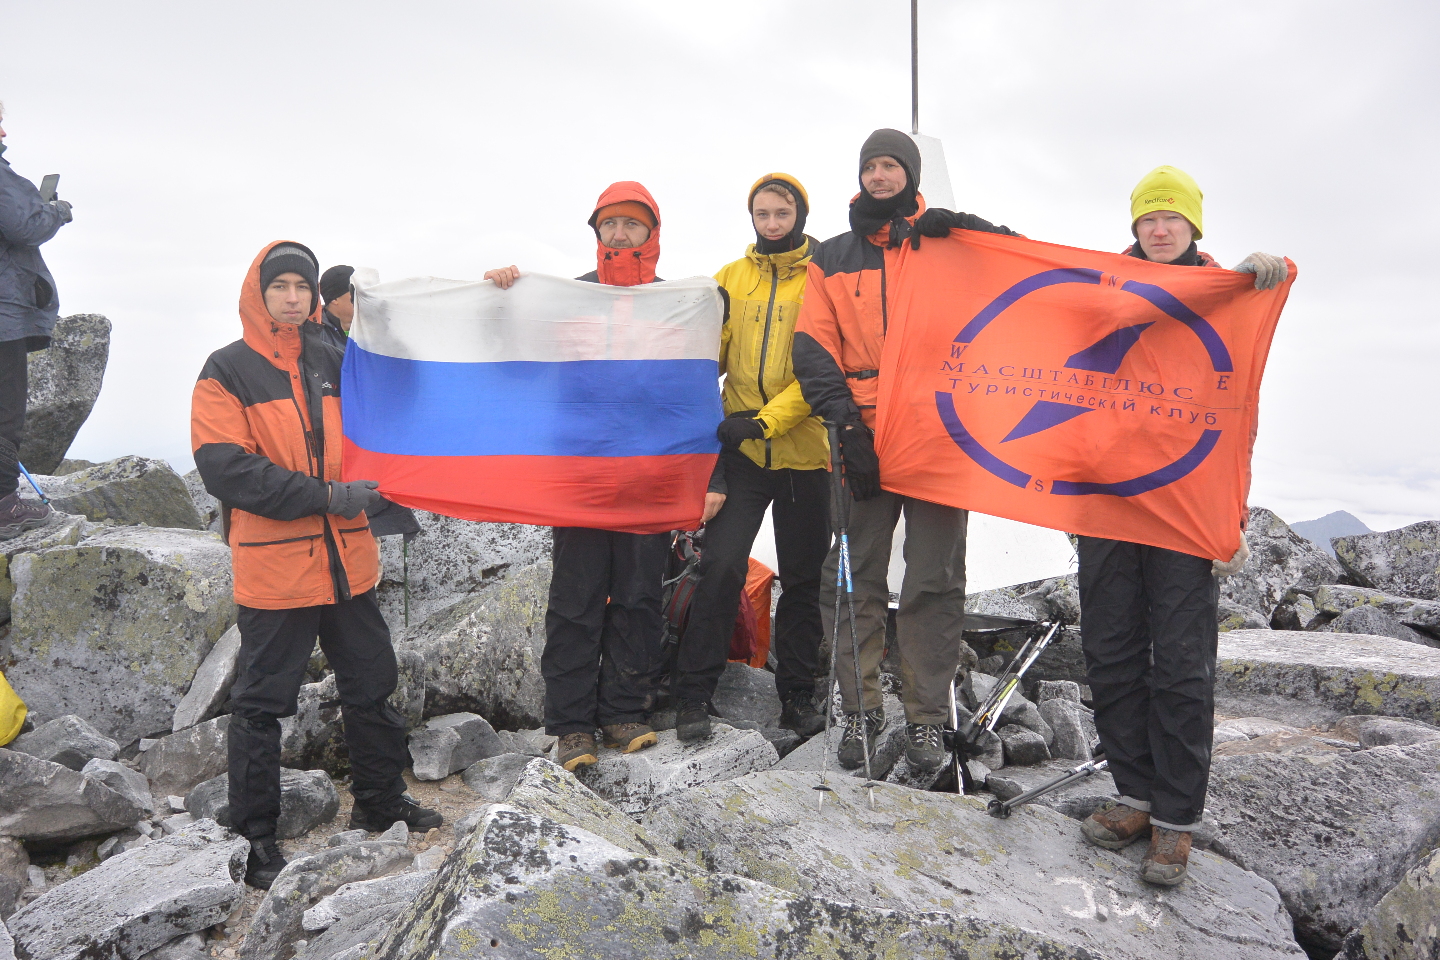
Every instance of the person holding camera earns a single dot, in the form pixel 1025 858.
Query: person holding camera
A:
pixel 29 308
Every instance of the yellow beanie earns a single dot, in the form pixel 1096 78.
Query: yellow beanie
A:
pixel 1167 188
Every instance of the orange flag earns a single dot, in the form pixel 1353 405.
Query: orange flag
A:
pixel 1090 392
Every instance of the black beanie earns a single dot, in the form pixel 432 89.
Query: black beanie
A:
pixel 887 142
pixel 335 282
pixel 290 258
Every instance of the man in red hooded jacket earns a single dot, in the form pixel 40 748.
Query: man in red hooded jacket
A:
pixel 604 622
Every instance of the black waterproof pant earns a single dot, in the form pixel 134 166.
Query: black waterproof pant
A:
pixel 275 647
pixel 14 379
pixel 801 501
pixel 603 627
pixel 1149 630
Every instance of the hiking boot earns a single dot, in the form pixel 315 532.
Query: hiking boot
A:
pixel 799 714
pixel 264 863
pixel 925 746
pixel 692 720
pixel 1168 858
pixel 1115 825
pixel 852 742
pixel 576 750
pixel 17 516
pixel 379 819
pixel 629 737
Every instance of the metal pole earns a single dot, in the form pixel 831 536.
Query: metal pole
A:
pixel 915 67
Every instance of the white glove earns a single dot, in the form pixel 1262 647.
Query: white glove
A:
pixel 1222 569
pixel 1270 271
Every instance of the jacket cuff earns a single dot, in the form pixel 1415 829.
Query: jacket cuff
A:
pixel 717 477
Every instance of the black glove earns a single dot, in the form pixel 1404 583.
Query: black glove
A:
pixel 738 427
pixel 934 222
pixel 350 499
pixel 862 466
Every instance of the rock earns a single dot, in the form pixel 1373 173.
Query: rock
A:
pixel 1289 744
pixel 175 823
pixel 1023 746
pixel 1221 735
pixel 307 799
pixel 207 508
pixel 1377 623
pixel 69 466
pixel 211 685
pixel 14 864
pixel 1280 560
pixel 495 777
pixel 364 895
pixel 1422 615
pixel 933 851
pixel 189 947
pixel 348 836
pixel 355 935
pixel 890 744
pixel 632 782
pixel 1311 679
pixel 1056 599
pixel 138 900
pixel 1057 690
pixel 1004 602
pixel 64 382
pixel 113 628
pixel 7 944
pixel 1331 849
pixel 175 764
pixel 1403 925
pixel 68 741
pixel 126 781
pixel 1232 616
pixel 305 880
pixel 482 655
pixel 1394 732
pixel 747 693
pixel 512 742
pixel 1296 611
pixel 60 529
pixel 448 744
pixel 449 561
pixel 127 490
pixel 1074 727
pixel 40 800
pixel 1248 727
pixel 1404 562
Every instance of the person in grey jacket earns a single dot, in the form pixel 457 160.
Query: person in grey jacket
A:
pixel 28 309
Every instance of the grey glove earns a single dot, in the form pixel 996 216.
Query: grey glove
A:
pixel 350 499
pixel 1270 271
pixel 64 207
pixel 1222 569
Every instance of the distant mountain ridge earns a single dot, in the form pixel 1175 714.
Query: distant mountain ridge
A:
pixel 1337 524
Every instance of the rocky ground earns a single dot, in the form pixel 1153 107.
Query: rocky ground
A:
pixel 116 626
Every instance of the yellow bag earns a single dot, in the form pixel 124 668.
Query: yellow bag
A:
pixel 12 712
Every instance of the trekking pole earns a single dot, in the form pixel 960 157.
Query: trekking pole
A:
pixel 959 746
pixel 43 499
pixel 1000 809
pixel 988 713
pixel 837 510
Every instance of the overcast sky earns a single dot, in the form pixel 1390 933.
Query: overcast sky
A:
pixel 446 138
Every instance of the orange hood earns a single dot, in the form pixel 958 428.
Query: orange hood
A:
pixel 262 333
pixel 628 266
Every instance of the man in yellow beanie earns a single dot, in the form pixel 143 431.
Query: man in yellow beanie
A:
pixel 1149 616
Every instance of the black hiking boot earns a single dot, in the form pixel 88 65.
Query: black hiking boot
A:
pixel 799 714
pixel 852 743
pixel 692 720
pixel 379 819
pixel 925 746
pixel 17 516
pixel 264 863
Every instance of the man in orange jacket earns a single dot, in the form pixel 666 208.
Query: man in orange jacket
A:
pixel 838 342
pixel 265 428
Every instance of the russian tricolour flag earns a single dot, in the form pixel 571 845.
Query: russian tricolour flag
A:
pixel 555 402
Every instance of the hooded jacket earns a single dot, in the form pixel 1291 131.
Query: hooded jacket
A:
pixel 627 266
pixel 265 428
pixel 29 305
pixel 765 291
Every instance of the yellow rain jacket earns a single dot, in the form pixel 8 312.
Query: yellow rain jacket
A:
pixel 765 293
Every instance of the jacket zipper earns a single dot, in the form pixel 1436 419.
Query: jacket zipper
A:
pixel 271 543
pixel 884 310
pixel 339 578
pixel 765 349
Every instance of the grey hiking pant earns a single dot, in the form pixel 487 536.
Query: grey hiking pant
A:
pixel 931 620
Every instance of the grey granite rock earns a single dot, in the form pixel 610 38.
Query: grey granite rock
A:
pixel 1296 611
pixel 1057 690
pixel 1405 924
pixel 212 682
pixel 7 943
pixel 1404 562
pixel 207 508
pixel 1232 616
pixel 1250 727
pixel 60 529
pixel 40 800
pixel 632 782
pixel 1023 747
pixel 1074 727
pixel 400 888
pixel 1422 615
pixel 1280 560
pixel 189 947
pixel 449 744
pixel 1376 623
pixel 64 382
pixel 127 490
pixel 747 693
pixel 68 741
pixel 307 799
pixel 14 877
pixel 126 781
pixel 493 778
pixel 175 764
pixel 889 745
pixel 1395 732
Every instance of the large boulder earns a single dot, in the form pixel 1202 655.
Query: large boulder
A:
pixel 64 382
pixel 1280 560
pixel 748 694
pixel 211 685
pixel 1334 832
pixel 1405 924
pixel 359 913
pixel 932 851
pixel 1377 623
pixel 60 529
pixel 449 744
pixel 14 875
pixel 632 782
pixel 40 800
pixel 113 628
pixel 207 508
pixel 889 745
pixel 482 655
pixel 139 900
pixel 448 561
pixel 1334 601
pixel 307 799
pixel 124 780
pixel 68 741
pixel 128 490
pixel 1405 562
pixel 175 764
pixel 1312 679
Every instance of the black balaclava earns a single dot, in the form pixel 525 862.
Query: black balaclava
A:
pixel 868 214
pixel 796 237
pixel 1190 258
pixel 292 258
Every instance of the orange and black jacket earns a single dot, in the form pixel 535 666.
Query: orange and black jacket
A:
pixel 265 428
pixel 841 331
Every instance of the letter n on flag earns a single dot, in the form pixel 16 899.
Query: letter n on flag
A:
pixel 555 402
pixel 1090 392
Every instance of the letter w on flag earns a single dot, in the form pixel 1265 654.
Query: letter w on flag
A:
pixel 555 402
pixel 1090 392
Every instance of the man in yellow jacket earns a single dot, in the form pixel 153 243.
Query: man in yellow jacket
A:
pixel 774 455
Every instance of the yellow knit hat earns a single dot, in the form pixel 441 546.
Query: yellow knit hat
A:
pixel 1167 188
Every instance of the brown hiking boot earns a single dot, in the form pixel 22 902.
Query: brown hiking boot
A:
pixel 576 750
pixel 629 737
pixel 1168 858
pixel 17 516
pixel 1115 825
